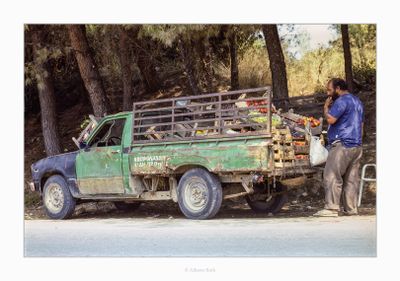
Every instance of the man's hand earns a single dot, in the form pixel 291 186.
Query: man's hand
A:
pixel 328 102
pixel 330 119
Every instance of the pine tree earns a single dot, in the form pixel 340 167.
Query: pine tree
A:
pixel 347 56
pixel 88 69
pixel 277 64
pixel 46 91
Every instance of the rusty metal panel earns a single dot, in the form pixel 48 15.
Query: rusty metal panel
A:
pixel 226 155
pixel 99 170
pixel 108 185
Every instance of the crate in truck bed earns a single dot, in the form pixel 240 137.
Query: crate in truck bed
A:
pixel 289 151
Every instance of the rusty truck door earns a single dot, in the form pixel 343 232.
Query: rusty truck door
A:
pixel 99 164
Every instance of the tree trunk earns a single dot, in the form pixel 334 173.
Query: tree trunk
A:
pixel 149 75
pixel 277 64
pixel 204 50
pixel 234 63
pixel 209 67
pixel 125 61
pixel 88 69
pixel 186 58
pixel 146 65
pixel 347 56
pixel 46 96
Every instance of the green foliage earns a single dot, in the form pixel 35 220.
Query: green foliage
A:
pixel 31 199
pixel 310 73
pixel 247 36
pixel 103 40
pixel 365 74
pixel 54 51
pixel 307 70
pixel 168 34
pixel 363 47
pixel 44 55
pixel 254 66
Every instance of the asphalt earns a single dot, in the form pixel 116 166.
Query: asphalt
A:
pixel 225 237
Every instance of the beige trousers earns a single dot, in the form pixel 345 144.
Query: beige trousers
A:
pixel 341 177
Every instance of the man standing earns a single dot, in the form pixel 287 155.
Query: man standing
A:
pixel 345 115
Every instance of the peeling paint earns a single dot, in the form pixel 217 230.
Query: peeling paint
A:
pixel 108 185
pixel 117 170
pixel 237 155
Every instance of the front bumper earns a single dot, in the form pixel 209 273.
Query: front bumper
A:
pixel 32 186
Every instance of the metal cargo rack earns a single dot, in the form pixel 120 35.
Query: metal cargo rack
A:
pixel 216 115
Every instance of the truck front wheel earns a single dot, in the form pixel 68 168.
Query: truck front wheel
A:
pixel 264 203
pixel 199 194
pixel 57 199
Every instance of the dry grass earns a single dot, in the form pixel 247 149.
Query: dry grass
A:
pixel 253 69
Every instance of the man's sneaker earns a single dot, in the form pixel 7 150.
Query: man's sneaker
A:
pixel 326 213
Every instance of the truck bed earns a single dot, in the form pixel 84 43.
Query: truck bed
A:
pixel 224 132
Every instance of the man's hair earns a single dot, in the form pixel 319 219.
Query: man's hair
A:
pixel 338 82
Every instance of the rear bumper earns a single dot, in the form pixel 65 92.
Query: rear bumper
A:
pixel 295 171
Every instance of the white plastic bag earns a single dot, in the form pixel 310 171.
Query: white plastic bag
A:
pixel 318 153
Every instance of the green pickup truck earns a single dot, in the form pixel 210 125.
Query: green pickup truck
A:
pixel 195 150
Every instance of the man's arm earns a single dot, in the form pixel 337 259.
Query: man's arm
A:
pixel 329 118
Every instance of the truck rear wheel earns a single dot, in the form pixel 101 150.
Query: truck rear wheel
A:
pixel 57 199
pixel 199 194
pixel 262 203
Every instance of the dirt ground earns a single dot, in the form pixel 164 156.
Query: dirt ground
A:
pixel 303 201
pixel 171 210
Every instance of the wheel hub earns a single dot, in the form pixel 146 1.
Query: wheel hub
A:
pixel 54 198
pixel 196 195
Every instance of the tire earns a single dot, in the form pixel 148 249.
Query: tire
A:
pixel 259 204
pixel 57 199
pixel 125 206
pixel 199 194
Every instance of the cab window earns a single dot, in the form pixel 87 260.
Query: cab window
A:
pixel 110 134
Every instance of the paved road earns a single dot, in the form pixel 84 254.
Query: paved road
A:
pixel 343 236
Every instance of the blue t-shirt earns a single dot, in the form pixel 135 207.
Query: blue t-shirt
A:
pixel 349 112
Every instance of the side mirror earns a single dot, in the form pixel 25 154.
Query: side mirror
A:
pixel 84 146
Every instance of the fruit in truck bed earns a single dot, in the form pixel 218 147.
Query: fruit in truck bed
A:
pixel 305 120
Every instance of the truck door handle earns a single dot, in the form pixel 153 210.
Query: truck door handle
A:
pixel 115 151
